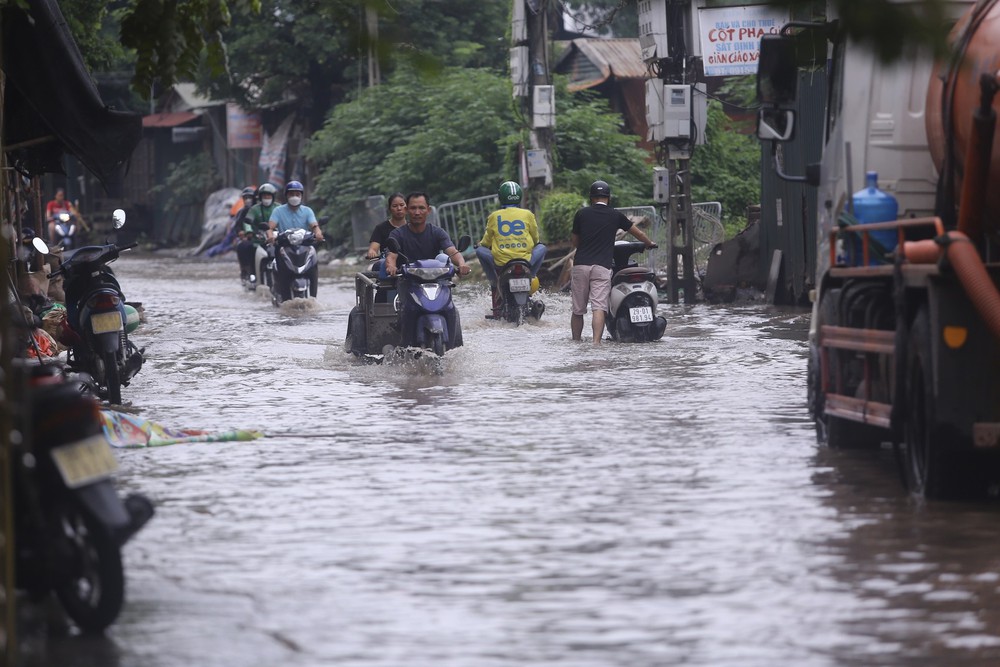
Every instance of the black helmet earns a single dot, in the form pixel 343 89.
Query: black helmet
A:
pixel 249 191
pixel 27 233
pixel 600 189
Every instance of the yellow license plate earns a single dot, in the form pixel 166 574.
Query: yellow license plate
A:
pixel 86 461
pixel 106 322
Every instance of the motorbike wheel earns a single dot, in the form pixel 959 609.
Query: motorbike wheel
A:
pixel 437 344
pixel 112 378
pixel 92 588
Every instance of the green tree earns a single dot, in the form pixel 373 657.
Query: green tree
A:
pixel 727 168
pixel 460 142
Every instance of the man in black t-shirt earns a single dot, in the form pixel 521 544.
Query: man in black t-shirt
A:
pixel 419 239
pixel 594 230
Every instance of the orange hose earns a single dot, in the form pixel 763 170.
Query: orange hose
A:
pixel 970 270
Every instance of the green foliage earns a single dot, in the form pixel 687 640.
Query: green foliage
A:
pixel 556 215
pixel 460 141
pixel 99 47
pixel 590 145
pixel 446 145
pixel 169 38
pixel 727 168
pixel 189 182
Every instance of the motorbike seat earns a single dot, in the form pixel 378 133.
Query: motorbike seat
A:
pixel 632 274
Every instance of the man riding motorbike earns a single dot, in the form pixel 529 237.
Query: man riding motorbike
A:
pixel 511 233
pixel 245 245
pixel 418 240
pixel 293 214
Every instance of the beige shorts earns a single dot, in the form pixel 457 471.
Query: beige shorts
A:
pixel 590 282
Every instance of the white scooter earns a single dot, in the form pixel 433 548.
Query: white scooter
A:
pixel 632 314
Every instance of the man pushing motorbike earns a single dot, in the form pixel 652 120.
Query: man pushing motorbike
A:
pixel 511 233
pixel 418 240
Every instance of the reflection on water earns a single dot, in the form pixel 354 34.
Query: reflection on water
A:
pixel 541 502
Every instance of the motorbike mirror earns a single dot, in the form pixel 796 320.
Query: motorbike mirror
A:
pixel 393 245
pixel 119 218
pixel 464 242
pixel 40 245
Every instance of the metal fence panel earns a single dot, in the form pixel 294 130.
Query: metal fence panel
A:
pixel 706 232
pixel 467 216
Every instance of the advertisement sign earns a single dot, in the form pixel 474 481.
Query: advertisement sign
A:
pixel 730 37
pixel 243 129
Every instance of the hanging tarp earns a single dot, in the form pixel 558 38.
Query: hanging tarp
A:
pixel 51 105
pixel 131 432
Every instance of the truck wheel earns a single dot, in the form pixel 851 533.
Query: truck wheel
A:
pixel 928 473
pixel 836 432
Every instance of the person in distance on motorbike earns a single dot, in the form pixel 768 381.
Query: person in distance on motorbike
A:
pixel 511 233
pixel 594 230
pixel 57 206
pixel 244 244
pixel 419 239
pixel 293 214
pixel 380 235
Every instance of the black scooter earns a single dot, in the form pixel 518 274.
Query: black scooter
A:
pixel 96 311
pixel 296 266
pixel 69 522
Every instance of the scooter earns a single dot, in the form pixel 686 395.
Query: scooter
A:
pixel 97 312
pixel 515 286
pixel 424 288
pixel 263 259
pixel 632 304
pixel 69 521
pixel 296 266
pixel 65 231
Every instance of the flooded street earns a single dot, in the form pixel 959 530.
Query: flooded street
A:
pixel 543 502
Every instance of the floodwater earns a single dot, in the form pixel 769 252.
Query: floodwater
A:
pixel 542 502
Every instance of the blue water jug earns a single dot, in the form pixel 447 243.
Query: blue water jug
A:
pixel 874 205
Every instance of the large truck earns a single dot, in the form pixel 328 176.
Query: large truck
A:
pixel 904 343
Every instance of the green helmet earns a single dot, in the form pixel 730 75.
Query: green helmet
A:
pixel 509 193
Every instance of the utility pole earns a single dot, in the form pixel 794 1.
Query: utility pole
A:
pixel 532 79
pixel 664 33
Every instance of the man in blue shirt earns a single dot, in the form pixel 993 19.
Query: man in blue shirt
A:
pixel 293 214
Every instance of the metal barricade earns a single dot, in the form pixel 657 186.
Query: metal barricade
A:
pixel 467 216
pixel 706 232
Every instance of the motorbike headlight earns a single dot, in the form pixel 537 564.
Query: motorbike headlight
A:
pixel 429 273
pixel 296 237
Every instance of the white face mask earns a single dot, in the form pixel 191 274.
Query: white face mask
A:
pixel 266 201
pixel 294 200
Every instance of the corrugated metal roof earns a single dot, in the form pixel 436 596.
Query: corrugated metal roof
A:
pixel 591 61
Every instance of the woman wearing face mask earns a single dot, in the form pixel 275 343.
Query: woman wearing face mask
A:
pixel 293 214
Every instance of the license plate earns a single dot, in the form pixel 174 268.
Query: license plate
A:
pixel 641 314
pixel 520 284
pixel 86 461
pixel 106 322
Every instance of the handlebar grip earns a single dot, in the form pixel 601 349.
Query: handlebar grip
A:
pixel 129 246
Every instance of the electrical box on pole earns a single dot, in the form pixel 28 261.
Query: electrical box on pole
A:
pixel 543 107
pixel 653 29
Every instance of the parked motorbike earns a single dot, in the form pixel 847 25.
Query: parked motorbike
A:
pixel 295 266
pixel 69 521
pixel 97 312
pixel 632 304
pixel 514 285
pixel 66 231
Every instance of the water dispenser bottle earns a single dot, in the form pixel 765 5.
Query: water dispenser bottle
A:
pixel 874 205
